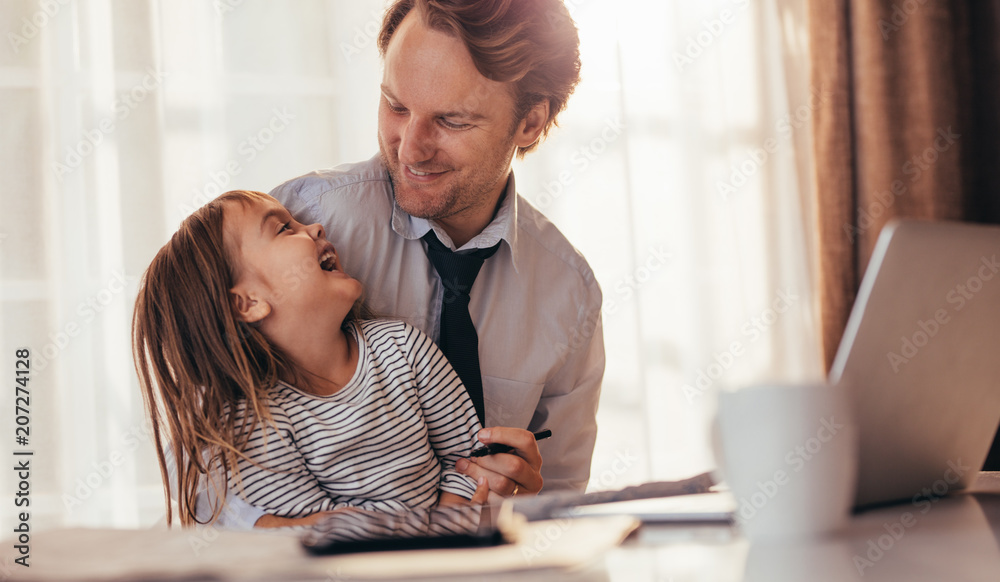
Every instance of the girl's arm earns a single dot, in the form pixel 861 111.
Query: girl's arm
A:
pixel 451 420
pixel 481 497
pixel 268 520
pixel 276 480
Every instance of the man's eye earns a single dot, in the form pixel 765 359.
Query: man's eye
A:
pixel 395 108
pixel 451 125
pixel 284 227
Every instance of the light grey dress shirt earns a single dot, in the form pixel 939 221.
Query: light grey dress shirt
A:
pixel 535 304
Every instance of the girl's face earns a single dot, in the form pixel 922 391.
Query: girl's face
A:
pixel 286 270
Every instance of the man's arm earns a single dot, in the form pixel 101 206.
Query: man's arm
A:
pixel 568 407
pixel 236 514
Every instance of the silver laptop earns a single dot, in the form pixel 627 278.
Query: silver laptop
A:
pixel 921 359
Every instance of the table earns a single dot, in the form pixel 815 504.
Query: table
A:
pixel 955 538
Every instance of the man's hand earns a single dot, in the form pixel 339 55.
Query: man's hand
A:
pixel 515 473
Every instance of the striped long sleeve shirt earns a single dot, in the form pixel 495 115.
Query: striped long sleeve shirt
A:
pixel 387 441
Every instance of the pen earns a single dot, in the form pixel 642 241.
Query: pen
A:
pixel 496 448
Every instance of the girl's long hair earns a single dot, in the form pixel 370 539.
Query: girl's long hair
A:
pixel 197 362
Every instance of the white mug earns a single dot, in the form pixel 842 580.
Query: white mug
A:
pixel 789 455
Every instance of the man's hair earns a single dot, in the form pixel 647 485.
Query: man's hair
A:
pixel 532 44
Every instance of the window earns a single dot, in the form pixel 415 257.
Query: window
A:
pixel 676 170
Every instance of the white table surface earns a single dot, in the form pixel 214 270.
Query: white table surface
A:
pixel 954 539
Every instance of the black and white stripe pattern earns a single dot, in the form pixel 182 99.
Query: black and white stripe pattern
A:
pixel 354 526
pixel 388 441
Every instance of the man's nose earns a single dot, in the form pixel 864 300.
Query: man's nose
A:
pixel 416 142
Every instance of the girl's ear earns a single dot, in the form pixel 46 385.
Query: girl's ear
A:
pixel 249 308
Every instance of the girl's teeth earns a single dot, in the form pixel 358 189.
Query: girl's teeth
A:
pixel 328 259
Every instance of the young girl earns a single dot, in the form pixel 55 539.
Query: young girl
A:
pixel 257 369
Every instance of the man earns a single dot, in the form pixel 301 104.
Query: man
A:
pixel 467 85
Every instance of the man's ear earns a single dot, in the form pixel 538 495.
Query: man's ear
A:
pixel 530 128
pixel 249 307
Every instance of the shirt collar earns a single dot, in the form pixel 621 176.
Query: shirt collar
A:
pixel 502 227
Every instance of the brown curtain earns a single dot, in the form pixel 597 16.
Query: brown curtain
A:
pixel 910 128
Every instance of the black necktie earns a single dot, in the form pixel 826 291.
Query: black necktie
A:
pixel 459 341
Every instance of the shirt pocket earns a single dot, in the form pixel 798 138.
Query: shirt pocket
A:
pixel 509 402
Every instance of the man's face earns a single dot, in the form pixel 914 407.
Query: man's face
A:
pixel 446 132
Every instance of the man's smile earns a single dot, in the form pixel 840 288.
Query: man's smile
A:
pixel 421 176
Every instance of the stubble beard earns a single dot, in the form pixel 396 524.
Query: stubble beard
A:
pixel 458 197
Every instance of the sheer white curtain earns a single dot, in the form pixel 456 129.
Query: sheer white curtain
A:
pixel 679 174
pixel 121 116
